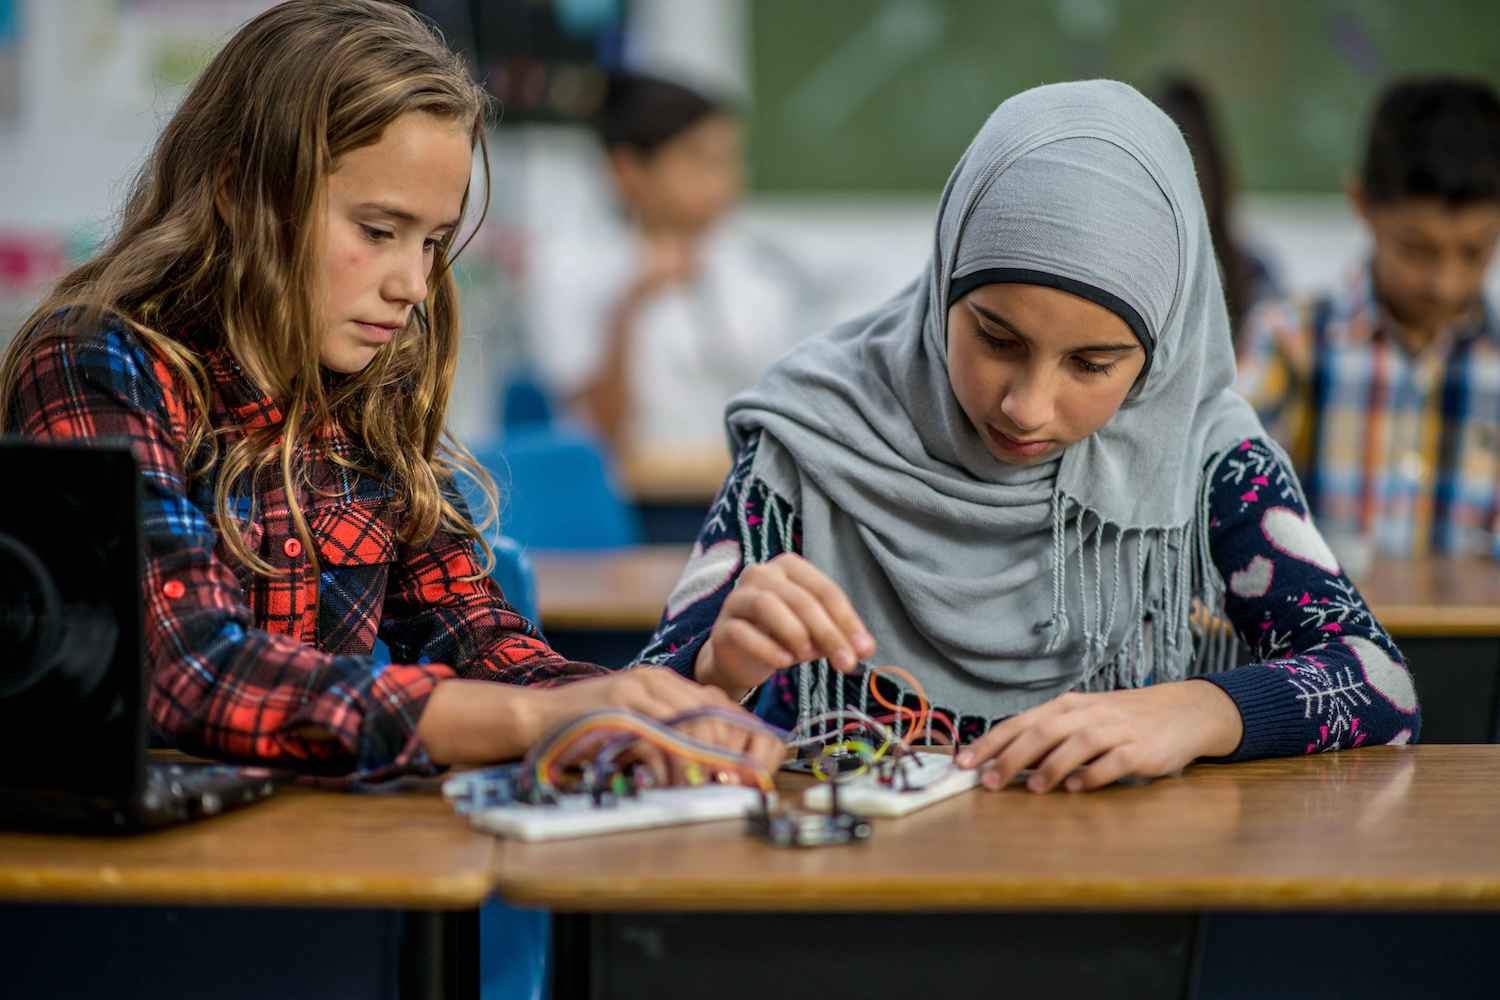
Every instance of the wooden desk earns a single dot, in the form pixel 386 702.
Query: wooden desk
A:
pixel 673 475
pixel 1388 827
pixel 1435 597
pixel 328 852
pixel 626 589
pixel 1028 878
pixel 299 848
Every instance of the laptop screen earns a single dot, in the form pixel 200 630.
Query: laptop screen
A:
pixel 72 664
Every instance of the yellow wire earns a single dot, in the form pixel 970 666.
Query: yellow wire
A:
pixel 869 757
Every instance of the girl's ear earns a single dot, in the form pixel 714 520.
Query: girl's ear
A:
pixel 224 193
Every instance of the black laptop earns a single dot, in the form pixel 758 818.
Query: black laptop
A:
pixel 73 725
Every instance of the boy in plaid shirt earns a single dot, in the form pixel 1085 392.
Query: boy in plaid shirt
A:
pixel 1386 390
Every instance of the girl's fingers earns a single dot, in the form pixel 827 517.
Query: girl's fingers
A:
pixel 1106 770
pixel 828 639
pixel 767 610
pixel 660 694
pixel 653 760
pixel 836 604
pixel 1086 744
pixel 767 750
pixel 991 743
pixel 1003 735
pixel 1031 746
pixel 748 654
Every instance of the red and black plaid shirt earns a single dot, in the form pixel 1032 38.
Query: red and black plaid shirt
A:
pixel 278 669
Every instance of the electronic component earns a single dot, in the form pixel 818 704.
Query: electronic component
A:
pixel 900 785
pixel 579 815
pixel 482 788
pixel 810 762
pixel 792 828
pixel 795 828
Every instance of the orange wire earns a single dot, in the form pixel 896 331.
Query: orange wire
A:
pixel 919 716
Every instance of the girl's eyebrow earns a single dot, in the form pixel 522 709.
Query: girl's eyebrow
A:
pixel 998 320
pixel 399 214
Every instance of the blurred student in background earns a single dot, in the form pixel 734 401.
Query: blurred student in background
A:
pixel 650 322
pixel 1249 278
pixel 1386 391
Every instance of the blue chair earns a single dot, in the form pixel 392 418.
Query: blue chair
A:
pixel 524 402
pixel 515 575
pixel 557 493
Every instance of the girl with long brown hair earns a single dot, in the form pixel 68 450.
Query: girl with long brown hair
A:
pixel 274 331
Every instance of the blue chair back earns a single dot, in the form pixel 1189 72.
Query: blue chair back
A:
pixel 515 575
pixel 557 492
pixel 515 952
pixel 525 402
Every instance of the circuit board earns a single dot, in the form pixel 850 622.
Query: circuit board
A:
pixel 920 780
pixel 581 816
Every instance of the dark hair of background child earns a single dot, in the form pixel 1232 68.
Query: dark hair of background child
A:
pixel 1434 137
pixel 1189 106
pixel 643 112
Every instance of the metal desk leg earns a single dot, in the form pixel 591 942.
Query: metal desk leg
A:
pixel 440 955
pixel 572 956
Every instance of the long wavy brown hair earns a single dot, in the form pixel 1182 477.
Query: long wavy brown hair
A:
pixel 220 236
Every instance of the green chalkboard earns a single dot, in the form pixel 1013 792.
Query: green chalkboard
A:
pixel 883 95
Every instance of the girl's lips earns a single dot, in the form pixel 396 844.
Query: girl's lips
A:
pixel 376 332
pixel 1022 449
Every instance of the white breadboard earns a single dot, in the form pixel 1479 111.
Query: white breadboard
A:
pixel 937 779
pixel 577 816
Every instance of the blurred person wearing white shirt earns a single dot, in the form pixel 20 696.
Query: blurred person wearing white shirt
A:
pixel 650 320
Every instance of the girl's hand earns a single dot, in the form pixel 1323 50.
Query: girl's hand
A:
pixel 481 722
pixel 1086 741
pixel 660 693
pixel 781 613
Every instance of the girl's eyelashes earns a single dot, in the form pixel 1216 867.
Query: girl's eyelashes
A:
pixel 997 343
pixel 1091 368
pixel 1006 345
pixel 374 235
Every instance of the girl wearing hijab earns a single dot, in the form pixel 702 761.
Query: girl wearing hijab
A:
pixel 1029 475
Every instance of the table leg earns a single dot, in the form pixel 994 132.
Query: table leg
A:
pixel 440 955
pixel 573 956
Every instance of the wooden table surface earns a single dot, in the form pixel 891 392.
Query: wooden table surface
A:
pixel 298 848
pixel 1435 597
pixel 1387 827
pixel 623 589
pixel 628 589
pixel 673 474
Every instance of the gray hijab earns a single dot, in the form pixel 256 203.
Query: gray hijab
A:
pixel 1001 586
